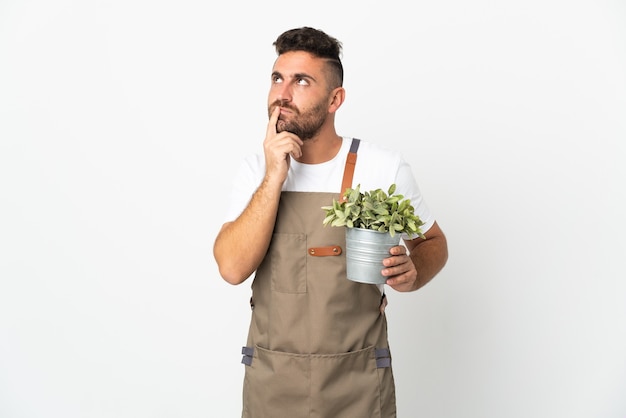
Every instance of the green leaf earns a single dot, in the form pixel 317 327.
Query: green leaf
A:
pixel 376 210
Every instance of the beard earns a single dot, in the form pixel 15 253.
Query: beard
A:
pixel 303 124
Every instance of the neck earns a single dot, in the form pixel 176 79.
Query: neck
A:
pixel 320 149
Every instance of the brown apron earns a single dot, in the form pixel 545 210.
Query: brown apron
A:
pixel 317 345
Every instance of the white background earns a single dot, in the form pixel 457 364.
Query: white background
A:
pixel 119 125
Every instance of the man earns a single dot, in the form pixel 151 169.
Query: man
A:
pixel 317 344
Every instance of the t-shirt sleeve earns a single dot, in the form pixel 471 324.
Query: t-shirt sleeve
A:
pixel 408 187
pixel 378 167
pixel 247 179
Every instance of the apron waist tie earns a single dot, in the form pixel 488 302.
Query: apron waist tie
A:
pixel 383 357
pixel 248 353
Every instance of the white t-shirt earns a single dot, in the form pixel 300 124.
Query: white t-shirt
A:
pixel 376 168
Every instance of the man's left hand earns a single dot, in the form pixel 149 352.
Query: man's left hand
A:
pixel 399 269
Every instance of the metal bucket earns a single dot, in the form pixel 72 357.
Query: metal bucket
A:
pixel 365 251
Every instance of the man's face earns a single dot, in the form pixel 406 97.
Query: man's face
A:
pixel 299 87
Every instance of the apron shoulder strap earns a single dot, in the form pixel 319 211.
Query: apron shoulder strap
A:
pixel 348 172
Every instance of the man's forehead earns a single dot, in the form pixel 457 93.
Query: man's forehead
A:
pixel 297 62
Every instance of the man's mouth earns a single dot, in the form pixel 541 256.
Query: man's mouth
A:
pixel 286 109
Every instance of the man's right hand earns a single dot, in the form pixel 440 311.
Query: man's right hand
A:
pixel 238 257
pixel 278 149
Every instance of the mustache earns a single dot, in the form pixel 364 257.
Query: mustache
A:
pixel 285 105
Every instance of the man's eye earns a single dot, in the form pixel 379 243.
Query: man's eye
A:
pixel 277 80
pixel 302 82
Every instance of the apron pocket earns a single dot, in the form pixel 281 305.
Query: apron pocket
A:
pixel 288 258
pixel 345 385
pixel 276 384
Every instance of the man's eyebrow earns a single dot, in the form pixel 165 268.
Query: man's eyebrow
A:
pixel 304 75
pixel 296 75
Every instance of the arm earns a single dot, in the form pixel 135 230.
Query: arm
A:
pixel 426 258
pixel 241 245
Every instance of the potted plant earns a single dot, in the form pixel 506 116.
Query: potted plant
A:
pixel 374 222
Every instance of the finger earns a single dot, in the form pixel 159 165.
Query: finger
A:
pixel 398 250
pixel 271 125
pixel 395 259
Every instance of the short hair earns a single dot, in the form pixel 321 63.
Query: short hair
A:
pixel 315 42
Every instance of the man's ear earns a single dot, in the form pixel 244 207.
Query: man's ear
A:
pixel 337 97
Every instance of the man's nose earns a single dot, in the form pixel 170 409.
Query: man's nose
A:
pixel 283 93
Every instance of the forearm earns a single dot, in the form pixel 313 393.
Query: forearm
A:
pixel 242 244
pixel 429 257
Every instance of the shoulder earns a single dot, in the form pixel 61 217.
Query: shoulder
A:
pixel 379 156
pixel 253 163
pixel 249 171
pixel 377 166
pixel 379 152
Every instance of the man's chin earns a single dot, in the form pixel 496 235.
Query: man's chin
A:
pixel 281 126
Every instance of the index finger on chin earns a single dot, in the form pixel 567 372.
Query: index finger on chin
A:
pixel 271 125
